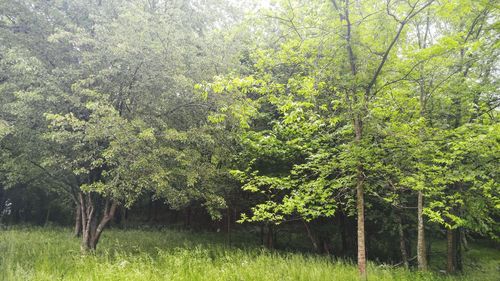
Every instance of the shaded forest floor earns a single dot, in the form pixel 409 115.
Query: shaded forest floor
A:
pixel 53 254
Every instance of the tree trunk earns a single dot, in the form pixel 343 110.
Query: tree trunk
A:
pixel 2 204
pixel 311 237
pixel 361 230
pixel 408 245
pixel 454 259
pixel 78 220
pixel 458 250
pixel 326 247
pixel 109 213
pixel 262 242
pixel 228 221
pixel 124 213
pixel 187 222
pixel 150 210
pixel 343 234
pixel 87 212
pixel 47 217
pixel 428 242
pixel 360 205
pixel 463 237
pixel 450 263
pixel 155 210
pixel 270 236
pixel 402 242
pixel 421 250
pixel 91 231
pixel 358 128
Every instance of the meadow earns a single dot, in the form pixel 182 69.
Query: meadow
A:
pixel 53 254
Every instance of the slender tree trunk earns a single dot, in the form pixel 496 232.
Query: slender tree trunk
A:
pixel 361 229
pixel 358 127
pixel 454 259
pixel 360 193
pixel 187 221
pixel 343 234
pixel 311 237
pixel 228 221
pixel 155 211
pixel 421 250
pixel 408 243
pixel 47 217
pixel 270 236
pixel 150 210
pixel 2 204
pixel 326 247
pixel 78 220
pixel 402 241
pixel 428 242
pixel 360 205
pixel 463 237
pixel 125 217
pixel 450 263
pixel 458 250
pixel 262 242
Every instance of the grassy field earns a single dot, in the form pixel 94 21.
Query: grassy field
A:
pixel 52 254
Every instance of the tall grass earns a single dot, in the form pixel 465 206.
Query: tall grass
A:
pixel 52 254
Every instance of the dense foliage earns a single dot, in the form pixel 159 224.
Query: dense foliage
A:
pixel 368 119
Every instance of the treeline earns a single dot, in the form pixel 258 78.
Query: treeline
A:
pixel 369 119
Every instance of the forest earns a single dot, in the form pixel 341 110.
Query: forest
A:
pixel 249 140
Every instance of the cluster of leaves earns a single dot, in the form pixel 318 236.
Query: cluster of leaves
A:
pixel 98 97
pixel 429 115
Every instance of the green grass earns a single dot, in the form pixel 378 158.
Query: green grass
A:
pixel 52 254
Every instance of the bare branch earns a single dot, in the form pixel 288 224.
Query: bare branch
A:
pixel 388 2
pixel 403 23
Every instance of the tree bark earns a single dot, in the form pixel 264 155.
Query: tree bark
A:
pixel 421 250
pixel 454 259
pixel 91 231
pixel 450 264
pixel 2 204
pixel 326 247
pixel 124 214
pixel 402 241
pixel 87 212
pixel 270 236
pixel 187 222
pixel 150 210
pixel 109 213
pixel 463 237
pixel 262 242
pixel 47 217
pixel 361 228
pixel 311 237
pixel 228 222
pixel 78 220
pixel 343 234
pixel 360 205
pixel 458 250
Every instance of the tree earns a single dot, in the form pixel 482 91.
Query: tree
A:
pixel 85 62
pixel 435 66
pixel 352 80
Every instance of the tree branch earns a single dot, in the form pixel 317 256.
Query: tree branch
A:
pixel 402 24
